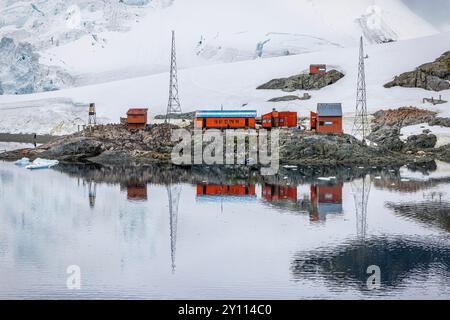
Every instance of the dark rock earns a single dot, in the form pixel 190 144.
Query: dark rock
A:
pixel 304 81
pixel 75 149
pixel 420 142
pixel 387 137
pixel 187 115
pixel 445 122
pixel 304 148
pixel 433 76
pixel 285 98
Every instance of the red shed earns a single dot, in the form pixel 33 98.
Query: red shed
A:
pixel 317 69
pixel 327 119
pixel 225 119
pixel 276 119
pixel 137 118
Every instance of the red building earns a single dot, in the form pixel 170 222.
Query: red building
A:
pixel 317 69
pixel 281 119
pixel 137 118
pixel 225 119
pixel 272 193
pixel 327 119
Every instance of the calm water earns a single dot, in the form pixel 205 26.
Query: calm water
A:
pixel 303 234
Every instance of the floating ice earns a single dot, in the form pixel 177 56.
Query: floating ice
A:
pixel 22 162
pixel 42 164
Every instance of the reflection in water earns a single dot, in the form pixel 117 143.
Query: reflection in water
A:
pixel 136 190
pixel 173 194
pixel 225 191
pixel 324 198
pixel 92 193
pixel 361 191
pixel 434 213
pixel 245 251
pixel 398 259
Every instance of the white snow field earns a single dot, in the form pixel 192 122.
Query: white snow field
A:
pixel 211 31
pixel 120 58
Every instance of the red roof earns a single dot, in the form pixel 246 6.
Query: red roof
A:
pixel 137 111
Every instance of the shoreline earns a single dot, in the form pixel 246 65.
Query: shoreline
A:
pixel 26 138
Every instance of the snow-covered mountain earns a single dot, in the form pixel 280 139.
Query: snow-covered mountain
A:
pixel 117 52
pixel 110 39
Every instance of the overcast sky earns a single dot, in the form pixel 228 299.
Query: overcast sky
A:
pixel 434 11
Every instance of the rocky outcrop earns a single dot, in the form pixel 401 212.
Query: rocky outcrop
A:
pixel 74 150
pixel 304 81
pixel 323 149
pixel 401 117
pixel 306 96
pixel 387 125
pixel 444 122
pixel 434 76
pixel 388 137
pixel 420 142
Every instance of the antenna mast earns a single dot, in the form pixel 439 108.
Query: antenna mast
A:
pixel 361 123
pixel 174 105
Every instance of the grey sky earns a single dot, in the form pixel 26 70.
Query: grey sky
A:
pixel 436 12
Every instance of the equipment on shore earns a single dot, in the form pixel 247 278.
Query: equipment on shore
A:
pixel 92 121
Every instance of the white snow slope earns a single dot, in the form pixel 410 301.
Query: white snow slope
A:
pixel 222 70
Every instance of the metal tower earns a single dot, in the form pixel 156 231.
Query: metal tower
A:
pixel 361 124
pixel 361 191
pixel 92 115
pixel 173 193
pixel 174 105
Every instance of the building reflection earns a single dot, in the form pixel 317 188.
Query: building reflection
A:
pixel 206 190
pixel 322 200
pixel 137 191
pixel 325 200
pixel 272 193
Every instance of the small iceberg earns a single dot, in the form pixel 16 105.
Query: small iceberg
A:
pixel 22 162
pixel 42 164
